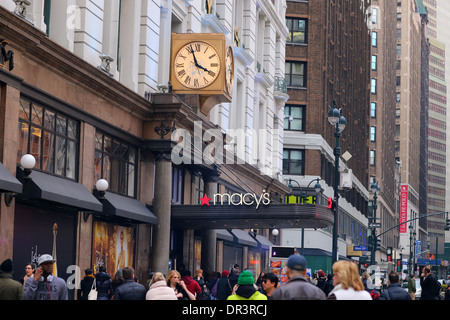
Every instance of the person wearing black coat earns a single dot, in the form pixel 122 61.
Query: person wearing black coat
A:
pixel 430 288
pixel 86 285
pixel 394 291
pixel 129 289
pixel 104 284
pixel 223 287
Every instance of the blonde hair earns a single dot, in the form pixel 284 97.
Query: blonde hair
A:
pixel 197 272
pixel 171 274
pixel 157 276
pixel 348 275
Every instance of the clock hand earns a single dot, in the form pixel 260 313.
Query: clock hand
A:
pixel 193 54
pixel 195 61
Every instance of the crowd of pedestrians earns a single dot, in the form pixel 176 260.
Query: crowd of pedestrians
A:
pixel 344 283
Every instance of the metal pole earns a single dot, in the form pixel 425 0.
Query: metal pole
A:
pixel 436 256
pixel 374 231
pixel 337 153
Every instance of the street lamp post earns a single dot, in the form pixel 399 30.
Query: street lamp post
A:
pixel 373 231
pixel 410 248
pixel 336 119
pixel 303 196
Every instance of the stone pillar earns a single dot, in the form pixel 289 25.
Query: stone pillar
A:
pixel 209 238
pixel 162 209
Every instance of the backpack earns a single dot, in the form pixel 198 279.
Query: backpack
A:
pixel 214 288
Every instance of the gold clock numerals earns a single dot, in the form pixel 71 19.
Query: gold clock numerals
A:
pixel 197 65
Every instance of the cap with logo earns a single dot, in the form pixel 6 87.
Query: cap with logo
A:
pixel 45 258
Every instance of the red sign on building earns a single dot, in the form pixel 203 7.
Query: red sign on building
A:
pixel 403 207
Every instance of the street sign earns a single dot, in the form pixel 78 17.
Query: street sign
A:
pixel 375 225
pixel 360 248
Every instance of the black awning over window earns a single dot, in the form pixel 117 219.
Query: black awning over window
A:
pixel 9 183
pixel 127 208
pixel 65 192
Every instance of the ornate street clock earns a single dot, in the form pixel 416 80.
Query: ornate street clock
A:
pixel 197 65
pixel 202 64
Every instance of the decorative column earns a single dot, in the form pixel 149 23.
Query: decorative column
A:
pixel 162 209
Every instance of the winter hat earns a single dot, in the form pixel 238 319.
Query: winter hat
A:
pixel 321 273
pixel 297 262
pixel 6 266
pixel 246 278
pixel 225 273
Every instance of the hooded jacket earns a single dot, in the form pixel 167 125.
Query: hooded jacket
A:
pixel 247 292
pixel 104 286
pixel 10 289
pixel 193 286
pixel 52 288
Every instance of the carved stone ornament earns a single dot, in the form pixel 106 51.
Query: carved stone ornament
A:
pixel 164 129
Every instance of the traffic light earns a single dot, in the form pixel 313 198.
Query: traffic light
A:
pixel 331 203
pixel 447 224
pixel 378 247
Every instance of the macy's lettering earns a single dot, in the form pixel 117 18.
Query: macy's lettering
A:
pixel 238 199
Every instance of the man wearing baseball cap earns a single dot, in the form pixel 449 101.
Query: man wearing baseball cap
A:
pixel 44 285
pixel 298 287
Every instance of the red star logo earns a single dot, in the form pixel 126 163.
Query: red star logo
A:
pixel 205 200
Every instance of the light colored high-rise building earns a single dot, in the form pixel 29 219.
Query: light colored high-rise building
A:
pixel 443 35
pixel 437 132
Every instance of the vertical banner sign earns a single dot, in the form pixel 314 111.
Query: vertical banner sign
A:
pixel 403 207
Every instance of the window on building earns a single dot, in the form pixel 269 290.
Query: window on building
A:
pixel 295 74
pixel 372 157
pixel 177 185
pixel 399 49
pixel 374 62
pixel 47 12
pixel 373 109
pixel 294 117
pixel 398 97
pixel 374 15
pixel 373 133
pixel 298 29
pixel 116 162
pixel 293 161
pixel 51 137
pixel 373 86
pixel 374 38
pixel 398 81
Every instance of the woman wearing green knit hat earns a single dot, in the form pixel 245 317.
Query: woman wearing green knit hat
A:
pixel 246 289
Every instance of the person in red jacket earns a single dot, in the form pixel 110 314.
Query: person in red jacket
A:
pixel 191 284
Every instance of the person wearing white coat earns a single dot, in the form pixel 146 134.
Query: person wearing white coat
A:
pixel 159 289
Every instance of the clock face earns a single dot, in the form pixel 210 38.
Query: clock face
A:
pixel 229 63
pixel 197 65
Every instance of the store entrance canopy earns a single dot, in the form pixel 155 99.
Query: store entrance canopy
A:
pixel 241 216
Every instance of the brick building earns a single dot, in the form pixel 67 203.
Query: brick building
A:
pixel 327 58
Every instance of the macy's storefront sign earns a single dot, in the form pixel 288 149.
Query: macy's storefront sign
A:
pixel 238 199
